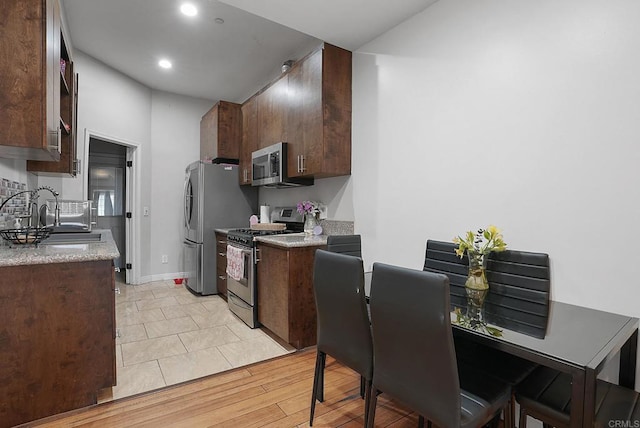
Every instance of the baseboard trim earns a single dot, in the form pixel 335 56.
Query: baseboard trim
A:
pixel 161 277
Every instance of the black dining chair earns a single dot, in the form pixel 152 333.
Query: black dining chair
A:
pixel 546 395
pixel 350 245
pixel 345 244
pixel 415 357
pixel 518 299
pixel 344 331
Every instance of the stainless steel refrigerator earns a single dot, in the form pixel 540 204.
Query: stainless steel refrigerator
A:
pixel 213 199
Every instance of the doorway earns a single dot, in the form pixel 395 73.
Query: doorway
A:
pixel 107 187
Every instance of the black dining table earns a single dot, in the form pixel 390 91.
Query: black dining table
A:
pixel 579 341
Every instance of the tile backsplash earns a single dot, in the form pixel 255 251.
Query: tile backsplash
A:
pixel 336 227
pixel 16 206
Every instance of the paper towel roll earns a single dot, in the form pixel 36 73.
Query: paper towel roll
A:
pixel 265 214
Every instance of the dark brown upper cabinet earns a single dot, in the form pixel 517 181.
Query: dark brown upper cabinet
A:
pixel 68 163
pixel 221 132
pixel 272 113
pixel 319 115
pixel 249 138
pixel 309 107
pixel 30 85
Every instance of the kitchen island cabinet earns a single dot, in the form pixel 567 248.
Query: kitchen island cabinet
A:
pixel 286 304
pixel 30 83
pixel 57 329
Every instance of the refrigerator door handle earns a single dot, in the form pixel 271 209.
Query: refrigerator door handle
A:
pixel 188 202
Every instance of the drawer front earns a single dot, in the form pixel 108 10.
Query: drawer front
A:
pixel 221 264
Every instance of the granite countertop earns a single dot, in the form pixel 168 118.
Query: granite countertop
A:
pixel 105 249
pixel 225 230
pixel 293 240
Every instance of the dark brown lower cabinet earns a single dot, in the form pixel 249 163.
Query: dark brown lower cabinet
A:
pixel 57 338
pixel 286 304
pixel 221 264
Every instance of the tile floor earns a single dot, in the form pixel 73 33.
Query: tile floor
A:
pixel 168 335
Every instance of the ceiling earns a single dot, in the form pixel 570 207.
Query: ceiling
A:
pixel 222 61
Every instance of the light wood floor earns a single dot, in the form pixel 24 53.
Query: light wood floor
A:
pixel 274 393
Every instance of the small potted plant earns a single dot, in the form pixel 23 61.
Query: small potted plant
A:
pixel 310 210
pixel 478 246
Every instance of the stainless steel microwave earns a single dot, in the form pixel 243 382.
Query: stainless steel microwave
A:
pixel 269 166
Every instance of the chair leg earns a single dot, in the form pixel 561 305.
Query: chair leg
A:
pixel 420 421
pixel 367 399
pixel 509 413
pixel 495 422
pixel 362 387
pixel 323 361
pixel 523 418
pixel 371 414
pixel 317 382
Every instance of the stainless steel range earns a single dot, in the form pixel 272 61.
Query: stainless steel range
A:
pixel 241 264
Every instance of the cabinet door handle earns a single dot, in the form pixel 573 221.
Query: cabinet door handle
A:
pixel 302 167
pixel 118 335
pixel 222 242
pixel 257 258
pixel 222 277
pixel 222 254
pixel 56 146
pixel 117 290
pixel 299 167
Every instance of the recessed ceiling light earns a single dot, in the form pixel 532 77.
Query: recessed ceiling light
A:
pixel 189 9
pixel 219 21
pixel 165 63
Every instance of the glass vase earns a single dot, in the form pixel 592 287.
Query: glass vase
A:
pixel 310 222
pixel 476 286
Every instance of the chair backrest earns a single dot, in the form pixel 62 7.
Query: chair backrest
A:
pixel 519 285
pixel 344 331
pixel 414 354
pixel 345 244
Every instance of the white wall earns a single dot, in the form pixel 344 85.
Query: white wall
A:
pixel 13 169
pixel 166 130
pixel 175 136
pixel 518 114
pixel 336 193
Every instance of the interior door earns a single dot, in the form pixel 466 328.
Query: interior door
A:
pixel 129 203
pixel 107 189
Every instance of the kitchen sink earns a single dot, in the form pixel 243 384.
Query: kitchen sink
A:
pixel 73 238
